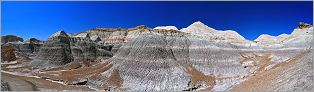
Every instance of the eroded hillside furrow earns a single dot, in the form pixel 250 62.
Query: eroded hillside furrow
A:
pixel 150 61
pixel 153 57
pixel 294 74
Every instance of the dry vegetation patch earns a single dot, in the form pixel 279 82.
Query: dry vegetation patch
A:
pixel 197 76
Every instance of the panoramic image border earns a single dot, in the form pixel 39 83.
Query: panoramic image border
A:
pixel 192 55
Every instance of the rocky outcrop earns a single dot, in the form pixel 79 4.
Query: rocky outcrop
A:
pixel 31 45
pixel 112 37
pixel 303 31
pixel 32 41
pixel 299 38
pixel 107 35
pixel 116 37
pixel 83 51
pixel 87 51
pixel 7 52
pixel 56 51
pixel 304 25
pixel 61 49
pixel 11 38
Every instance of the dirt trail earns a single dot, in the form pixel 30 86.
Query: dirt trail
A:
pixel 76 75
pixel 22 83
pixel 17 84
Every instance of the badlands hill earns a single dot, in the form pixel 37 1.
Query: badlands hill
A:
pixel 300 36
pixel 196 58
pixel 11 38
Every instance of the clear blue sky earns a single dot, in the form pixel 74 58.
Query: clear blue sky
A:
pixel 250 19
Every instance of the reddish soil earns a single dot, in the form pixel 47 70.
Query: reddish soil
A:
pixel 260 81
pixel 75 75
pixel 7 53
pixel 197 76
pixel 44 84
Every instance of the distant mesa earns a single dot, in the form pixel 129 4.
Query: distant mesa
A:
pixel 166 27
pixel 141 27
pixel 11 38
pixel 32 41
pixel 304 25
